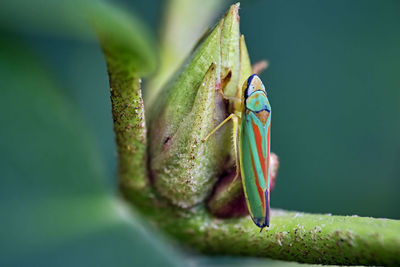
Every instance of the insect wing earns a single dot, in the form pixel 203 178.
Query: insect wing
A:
pixel 254 155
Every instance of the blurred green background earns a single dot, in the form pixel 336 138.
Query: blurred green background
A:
pixel 333 82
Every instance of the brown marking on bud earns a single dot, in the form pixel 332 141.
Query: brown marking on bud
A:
pixel 225 80
pixel 167 143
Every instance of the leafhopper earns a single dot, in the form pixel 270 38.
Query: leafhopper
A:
pixel 252 138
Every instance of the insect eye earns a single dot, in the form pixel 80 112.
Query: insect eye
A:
pixel 249 90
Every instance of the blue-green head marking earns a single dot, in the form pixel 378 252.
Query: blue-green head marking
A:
pixel 255 95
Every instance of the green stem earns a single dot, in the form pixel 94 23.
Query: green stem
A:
pixel 129 127
pixel 294 236
pixel 129 55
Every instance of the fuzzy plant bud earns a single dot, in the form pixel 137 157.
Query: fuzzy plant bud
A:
pixel 184 169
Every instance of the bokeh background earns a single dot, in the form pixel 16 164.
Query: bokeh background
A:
pixel 333 82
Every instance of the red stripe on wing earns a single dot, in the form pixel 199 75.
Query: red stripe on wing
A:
pixel 263 161
pixel 259 189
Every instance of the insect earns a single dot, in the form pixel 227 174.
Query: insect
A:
pixel 252 138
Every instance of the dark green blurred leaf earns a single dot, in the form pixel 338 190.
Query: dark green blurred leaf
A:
pixel 55 205
pixel 76 19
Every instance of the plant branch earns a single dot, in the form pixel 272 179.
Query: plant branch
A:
pixel 128 55
pixel 129 127
pixel 294 236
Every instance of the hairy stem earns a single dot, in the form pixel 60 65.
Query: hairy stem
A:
pixel 129 55
pixel 293 236
pixel 129 127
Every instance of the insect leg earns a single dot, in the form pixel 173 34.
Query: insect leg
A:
pixel 219 126
pixel 235 121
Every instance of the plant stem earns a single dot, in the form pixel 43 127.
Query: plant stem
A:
pixel 294 236
pixel 129 125
pixel 129 55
